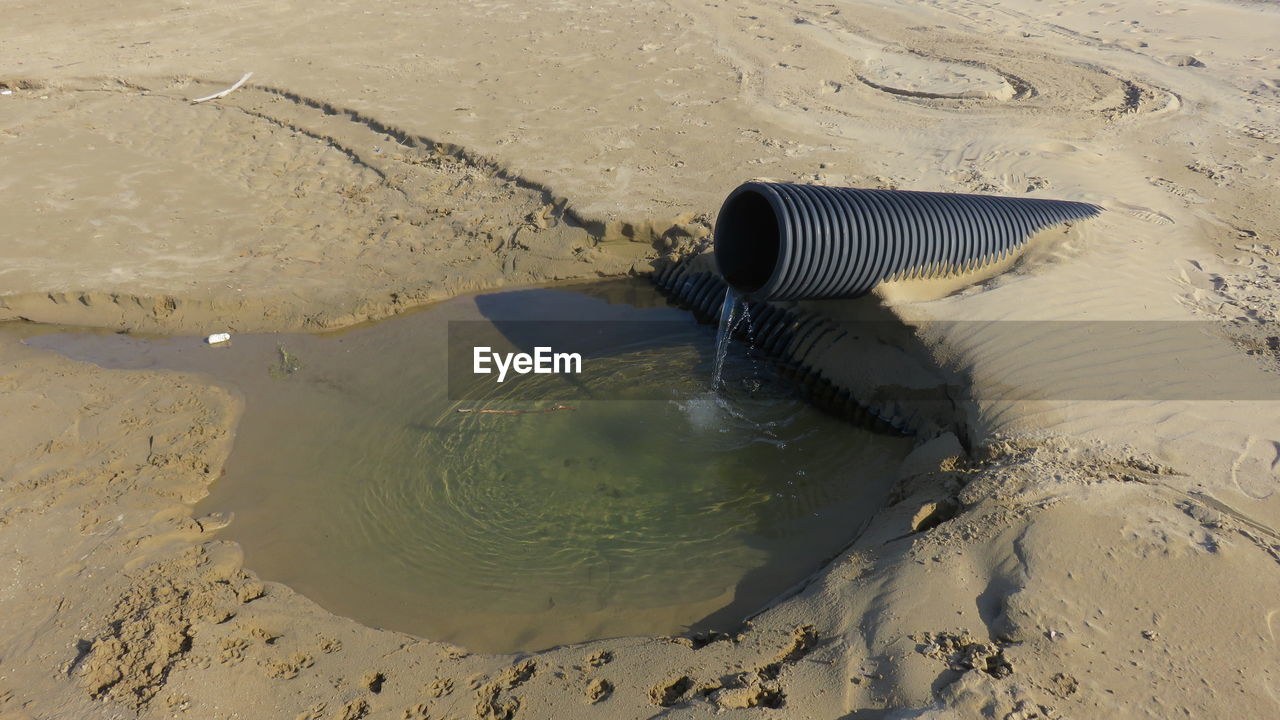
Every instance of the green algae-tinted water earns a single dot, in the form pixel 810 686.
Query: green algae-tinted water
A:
pixel 354 479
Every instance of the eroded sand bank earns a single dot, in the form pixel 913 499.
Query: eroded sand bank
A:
pixel 1086 558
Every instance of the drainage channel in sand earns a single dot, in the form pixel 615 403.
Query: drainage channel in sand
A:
pixel 652 506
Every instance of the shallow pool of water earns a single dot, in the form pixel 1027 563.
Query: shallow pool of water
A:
pixel 650 506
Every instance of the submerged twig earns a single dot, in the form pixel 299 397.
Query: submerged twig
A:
pixel 514 412
pixel 288 364
pixel 224 93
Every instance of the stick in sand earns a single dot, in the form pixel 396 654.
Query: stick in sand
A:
pixel 514 412
pixel 226 92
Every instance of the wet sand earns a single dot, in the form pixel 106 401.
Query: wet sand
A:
pixel 1061 558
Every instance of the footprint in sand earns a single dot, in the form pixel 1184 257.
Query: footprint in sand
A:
pixel 1254 469
pixel 1145 214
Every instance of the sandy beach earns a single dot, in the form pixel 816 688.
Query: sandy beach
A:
pixel 1067 555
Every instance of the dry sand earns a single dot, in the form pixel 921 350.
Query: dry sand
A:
pixel 1085 559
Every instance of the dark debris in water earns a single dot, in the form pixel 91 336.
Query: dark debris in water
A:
pixel 286 364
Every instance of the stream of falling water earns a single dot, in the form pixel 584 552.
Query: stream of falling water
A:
pixel 728 311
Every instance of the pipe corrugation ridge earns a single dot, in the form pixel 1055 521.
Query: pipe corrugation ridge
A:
pixel 785 337
pixel 784 241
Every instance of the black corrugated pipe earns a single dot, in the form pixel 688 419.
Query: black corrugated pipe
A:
pixel 780 241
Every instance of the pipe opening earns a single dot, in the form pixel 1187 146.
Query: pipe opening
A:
pixel 747 241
